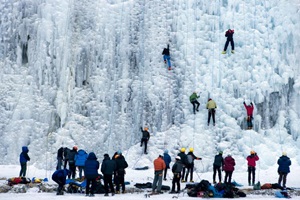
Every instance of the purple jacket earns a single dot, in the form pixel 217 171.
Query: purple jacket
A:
pixel 229 164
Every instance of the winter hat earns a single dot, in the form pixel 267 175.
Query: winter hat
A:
pixel 178 158
pixel 209 99
pixel 284 153
pixel 160 156
pixel 75 148
pixel 119 152
pixel 220 152
pixel 166 151
pixel 106 155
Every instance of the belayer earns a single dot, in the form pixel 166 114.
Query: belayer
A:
pixel 166 57
pixel 229 34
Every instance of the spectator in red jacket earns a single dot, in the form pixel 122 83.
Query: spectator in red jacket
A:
pixel 249 109
pixel 228 167
pixel 252 158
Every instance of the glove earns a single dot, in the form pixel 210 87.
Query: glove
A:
pixel 244 102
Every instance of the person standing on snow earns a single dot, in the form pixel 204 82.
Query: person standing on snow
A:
pixel 24 158
pixel 249 109
pixel 166 56
pixel 228 167
pixel 252 158
pixel 159 166
pixel 218 163
pixel 80 159
pixel 119 178
pixel 284 163
pixel 211 106
pixel 194 101
pixel 107 168
pixel 167 159
pixel 91 167
pixel 184 161
pixel 60 158
pixel 229 34
pixel 145 138
pixel 71 161
pixel 190 166
pixel 176 169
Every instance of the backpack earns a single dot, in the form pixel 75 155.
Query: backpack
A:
pixel 203 185
pixel 190 159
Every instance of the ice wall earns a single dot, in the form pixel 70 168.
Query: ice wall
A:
pixel 90 73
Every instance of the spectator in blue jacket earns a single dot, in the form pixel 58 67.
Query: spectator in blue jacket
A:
pixel 80 159
pixel 59 176
pixel 91 173
pixel 284 163
pixel 24 158
pixel 167 160
pixel 107 168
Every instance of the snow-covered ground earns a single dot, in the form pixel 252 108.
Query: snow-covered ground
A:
pixel 135 176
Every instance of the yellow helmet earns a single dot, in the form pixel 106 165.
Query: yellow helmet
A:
pixel 191 149
pixel 182 149
pixel 252 152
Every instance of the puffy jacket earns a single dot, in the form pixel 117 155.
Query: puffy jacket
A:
pixel 219 160
pixel 252 160
pixel 229 164
pixel 284 163
pixel 91 166
pixel 211 104
pixel 229 34
pixel 167 159
pixel 80 158
pixel 249 109
pixel 177 167
pixel 60 175
pixel 159 164
pixel 108 166
pixel 183 158
pixel 24 155
pixel 71 156
pixel 121 163
pixel 146 134
pixel 193 97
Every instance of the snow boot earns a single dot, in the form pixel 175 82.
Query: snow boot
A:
pixel 223 52
pixel 232 51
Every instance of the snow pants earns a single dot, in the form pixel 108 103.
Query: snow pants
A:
pixel 227 42
pixel 157 182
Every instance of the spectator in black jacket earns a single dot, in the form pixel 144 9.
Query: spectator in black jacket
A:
pixel 183 158
pixel 218 163
pixel 119 178
pixel 176 169
pixel 145 138
pixel 91 173
pixel 60 153
pixel 107 168
pixel 66 152
pixel 71 161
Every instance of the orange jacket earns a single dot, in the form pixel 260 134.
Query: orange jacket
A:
pixel 159 164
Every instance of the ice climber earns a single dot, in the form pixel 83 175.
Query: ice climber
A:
pixel 190 164
pixel 166 56
pixel 228 167
pixel 159 166
pixel 284 163
pixel 218 164
pixel 249 109
pixel 252 158
pixel 167 159
pixel 145 138
pixel 229 34
pixel 176 169
pixel 194 101
pixel 24 158
pixel 211 106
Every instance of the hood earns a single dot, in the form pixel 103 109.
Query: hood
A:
pixel 25 149
pixel 92 156
pixel 81 152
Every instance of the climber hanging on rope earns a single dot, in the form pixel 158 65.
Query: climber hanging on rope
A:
pixel 166 57
pixel 145 138
pixel 194 101
pixel 249 109
pixel 229 35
